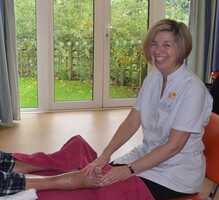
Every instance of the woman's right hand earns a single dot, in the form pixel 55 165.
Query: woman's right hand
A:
pixel 99 162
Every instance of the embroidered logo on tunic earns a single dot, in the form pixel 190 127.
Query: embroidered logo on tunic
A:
pixel 172 95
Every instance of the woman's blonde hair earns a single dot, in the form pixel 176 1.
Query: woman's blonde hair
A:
pixel 180 33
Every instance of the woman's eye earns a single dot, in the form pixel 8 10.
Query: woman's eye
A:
pixel 167 45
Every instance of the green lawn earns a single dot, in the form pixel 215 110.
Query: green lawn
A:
pixel 28 92
pixel 67 91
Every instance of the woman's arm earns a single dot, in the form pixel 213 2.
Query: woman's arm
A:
pixel 125 131
pixel 174 145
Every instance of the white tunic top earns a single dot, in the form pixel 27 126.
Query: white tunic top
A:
pixel 185 105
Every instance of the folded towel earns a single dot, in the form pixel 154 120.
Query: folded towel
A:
pixel 24 195
pixel 76 154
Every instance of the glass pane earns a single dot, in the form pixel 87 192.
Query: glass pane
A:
pixel 129 24
pixel 25 14
pixel 178 10
pixel 73 50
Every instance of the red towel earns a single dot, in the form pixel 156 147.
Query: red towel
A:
pixel 76 154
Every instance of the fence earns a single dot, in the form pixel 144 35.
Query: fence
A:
pixel 75 62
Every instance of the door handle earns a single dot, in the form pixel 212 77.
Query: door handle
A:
pixel 108 30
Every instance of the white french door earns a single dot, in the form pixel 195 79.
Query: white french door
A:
pixel 116 63
pixel 109 53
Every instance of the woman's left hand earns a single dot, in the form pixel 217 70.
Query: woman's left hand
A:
pixel 115 175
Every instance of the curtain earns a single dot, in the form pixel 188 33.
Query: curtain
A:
pixel 203 26
pixel 9 94
pixel 215 61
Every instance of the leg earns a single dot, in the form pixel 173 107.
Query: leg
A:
pixel 10 164
pixel 160 192
pixel 25 168
pixel 11 183
pixel 66 181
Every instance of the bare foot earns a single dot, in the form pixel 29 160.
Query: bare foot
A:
pixel 94 180
pixel 78 180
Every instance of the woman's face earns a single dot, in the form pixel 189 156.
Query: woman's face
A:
pixel 164 52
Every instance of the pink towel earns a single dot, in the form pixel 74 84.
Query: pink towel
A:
pixel 76 154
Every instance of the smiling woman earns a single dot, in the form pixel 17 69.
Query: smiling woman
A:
pixel 170 159
pixel 179 34
pixel 169 47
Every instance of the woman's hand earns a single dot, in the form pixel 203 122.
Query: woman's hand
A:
pixel 100 162
pixel 116 174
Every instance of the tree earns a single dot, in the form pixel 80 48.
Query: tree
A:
pixel 26 36
pixel 73 29
pixel 130 20
pixel 178 10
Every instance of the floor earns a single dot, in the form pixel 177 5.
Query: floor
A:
pixel 47 132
